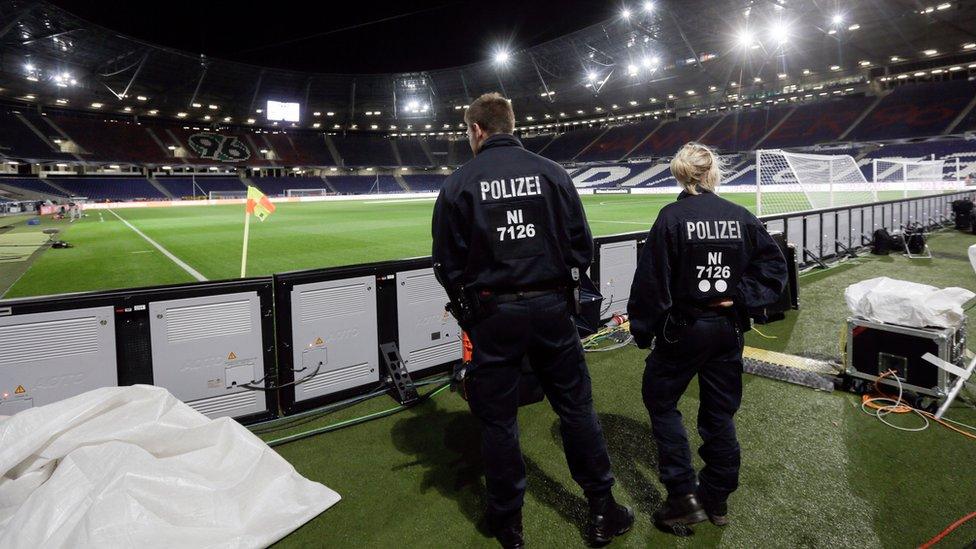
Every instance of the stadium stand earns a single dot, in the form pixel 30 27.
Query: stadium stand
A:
pixel 365 150
pixel 924 149
pixel 914 110
pixel 278 186
pixel 181 186
pixel 33 184
pixel 566 146
pixel 17 140
pixel 412 152
pixel 536 143
pixel 112 189
pixel 968 123
pixel 425 182
pixel 671 135
pixel 617 142
pixel 113 141
pixel 740 130
pixel 298 149
pixel 460 151
pixel 440 150
pixel 817 122
pixel 364 184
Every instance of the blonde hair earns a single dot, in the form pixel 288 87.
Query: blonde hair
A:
pixel 696 165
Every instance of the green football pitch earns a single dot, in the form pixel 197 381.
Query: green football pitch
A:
pixel 112 248
pixel 108 253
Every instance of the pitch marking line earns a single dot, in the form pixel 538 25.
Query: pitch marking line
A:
pixel 644 223
pixel 193 272
pixel 398 201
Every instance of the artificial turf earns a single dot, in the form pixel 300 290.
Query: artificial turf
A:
pixel 817 472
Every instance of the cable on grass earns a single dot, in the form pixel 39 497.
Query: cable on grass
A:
pixel 762 335
pixel 947 531
pixel 895 405
pixel 356 421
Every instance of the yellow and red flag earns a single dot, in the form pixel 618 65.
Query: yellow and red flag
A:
pixel 259 204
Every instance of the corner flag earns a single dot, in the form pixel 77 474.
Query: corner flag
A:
pixel 259 204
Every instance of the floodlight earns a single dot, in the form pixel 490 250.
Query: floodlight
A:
pixel 29 68
pixel 591 76
pixel 745 38
pixel 648 6
pixel 502 57
pixel 625 13
pixel 632 69
pixel 780 33
pixel 837 19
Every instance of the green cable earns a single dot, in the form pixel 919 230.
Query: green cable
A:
pixel 349 422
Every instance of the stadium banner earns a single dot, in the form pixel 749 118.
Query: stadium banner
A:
pixel 611 191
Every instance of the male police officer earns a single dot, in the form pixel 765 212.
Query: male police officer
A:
pixel 706 261
pixel 508 232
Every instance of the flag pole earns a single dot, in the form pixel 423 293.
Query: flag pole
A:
pixel 247 227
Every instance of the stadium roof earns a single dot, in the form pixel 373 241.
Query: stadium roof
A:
pixel 669 52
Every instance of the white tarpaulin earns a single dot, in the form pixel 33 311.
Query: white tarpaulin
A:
pixel 135 467
pixel 907 303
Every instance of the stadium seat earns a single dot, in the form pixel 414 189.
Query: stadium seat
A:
pixel 617 142
pixel 740 130
pixel 566 146
pixel 114 189
pixel 672 135
pixel 817 122
pixel 915 110
pixel 365 150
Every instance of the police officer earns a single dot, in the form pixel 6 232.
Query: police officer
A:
pixel 706 261
pixel 508 231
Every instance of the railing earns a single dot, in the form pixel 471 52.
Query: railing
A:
pixel 266 347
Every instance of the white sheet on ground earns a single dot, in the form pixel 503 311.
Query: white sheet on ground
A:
pixel 135 467
pixel 906 303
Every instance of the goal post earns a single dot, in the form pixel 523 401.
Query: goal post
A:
pixel 307 192
pixel 789 182
pixel 904 174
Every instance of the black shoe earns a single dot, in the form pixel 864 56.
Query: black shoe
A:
pixel 507 529
pixel 718 513
pixel 679 512
pixel 607 520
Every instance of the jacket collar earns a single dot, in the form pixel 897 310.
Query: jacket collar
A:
pixel 500 140
pixel 686 194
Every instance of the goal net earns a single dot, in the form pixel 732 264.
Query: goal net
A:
pixel 903 174
pixel 792 182
pixel 215 195
pixel 307 192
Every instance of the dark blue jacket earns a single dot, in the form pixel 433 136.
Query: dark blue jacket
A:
pixel 702 249
pixel 509 219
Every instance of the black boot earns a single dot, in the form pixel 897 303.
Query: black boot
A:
pixel 507 529
pixel 717 511
pixel 679 512
pixel 607 519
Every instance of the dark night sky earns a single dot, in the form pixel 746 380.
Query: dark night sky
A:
pixel 419 35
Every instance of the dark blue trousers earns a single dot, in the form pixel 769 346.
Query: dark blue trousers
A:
pixel 710 347
pixel 541 329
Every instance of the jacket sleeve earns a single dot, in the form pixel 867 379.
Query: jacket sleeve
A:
pixel 450 247
pixel 576 227
pixel 650 294
pixel 765 275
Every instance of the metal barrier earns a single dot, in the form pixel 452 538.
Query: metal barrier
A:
pixel 259 348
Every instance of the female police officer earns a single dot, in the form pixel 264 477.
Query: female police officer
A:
pixel 706 261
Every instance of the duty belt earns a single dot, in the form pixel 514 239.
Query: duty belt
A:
pixel 518 295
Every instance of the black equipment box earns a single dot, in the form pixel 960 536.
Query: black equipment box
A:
pixel 873 348
pixel 791 294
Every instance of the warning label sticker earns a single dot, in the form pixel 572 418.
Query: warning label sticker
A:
pixel 318 342
pixel 20 390
pixel 232 356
